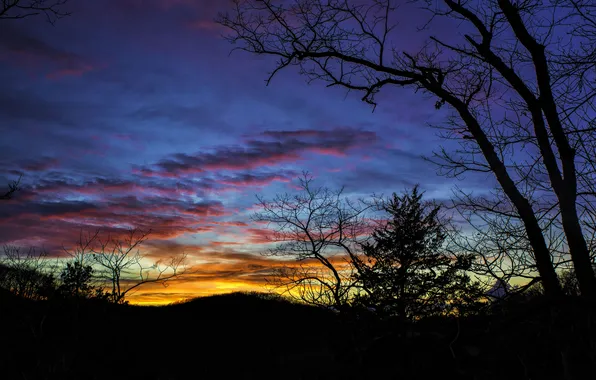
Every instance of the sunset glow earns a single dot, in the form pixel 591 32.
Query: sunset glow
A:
pixel 133 114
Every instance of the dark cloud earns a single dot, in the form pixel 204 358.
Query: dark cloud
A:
pixel 18 105
pixel 21 49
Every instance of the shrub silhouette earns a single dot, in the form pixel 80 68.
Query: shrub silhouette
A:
pixel 26 274
pixel 76 281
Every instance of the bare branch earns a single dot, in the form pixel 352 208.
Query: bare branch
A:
pixel 12 188
pixel 18 9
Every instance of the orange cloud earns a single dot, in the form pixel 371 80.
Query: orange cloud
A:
pixel 222 272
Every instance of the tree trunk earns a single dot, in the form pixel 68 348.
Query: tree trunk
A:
pixel 580 255
pixel 565 186
pixel 550 280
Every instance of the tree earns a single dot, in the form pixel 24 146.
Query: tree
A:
pixel 569 284
pixel 77 281
pixel 317 229
pixel 26 274
pixel 123 266
pixel 18 9
pixel 407 270
pixel 12 188
pixel 520 79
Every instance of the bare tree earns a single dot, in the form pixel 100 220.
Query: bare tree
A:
pixel 315 283
pixel 81 253
pixel 79 277
pixel 12 188
pixel 498 239
pixel 18 9
pixel 319 228
pixel 123 266
pixel 518 83
pixel 26 273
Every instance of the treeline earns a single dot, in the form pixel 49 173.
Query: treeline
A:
pixel 389 288
pixel 106 268
pixel 399 256
pixel 514 91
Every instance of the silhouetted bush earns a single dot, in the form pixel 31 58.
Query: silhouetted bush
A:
pixel 26 274
pixel 77 281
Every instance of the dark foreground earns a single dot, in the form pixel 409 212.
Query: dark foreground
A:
pixel 247 336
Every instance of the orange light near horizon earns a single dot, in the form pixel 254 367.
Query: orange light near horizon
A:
pixel 159 296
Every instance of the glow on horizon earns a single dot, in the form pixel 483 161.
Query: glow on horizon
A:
pixel 134 127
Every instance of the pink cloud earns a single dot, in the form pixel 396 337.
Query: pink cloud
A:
pixel 224 243
pixel 268 149
pixel 258 235
pixel 236 223
pixel 26 51
pixel 75 72
pixel 250 180
pixel 337 152
pixel 207 25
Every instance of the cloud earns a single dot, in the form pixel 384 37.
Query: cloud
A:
pixel 55 203
pixel 71 71
pixel 23 49
pixel 233 223
pixel 268 149
pixel 217 240
pixel 51 209
pixel 17 105
pixel 258 235
pixel 207 25
pixel 191 115
pixel 30 165
pixel 224 271
pixel 258 179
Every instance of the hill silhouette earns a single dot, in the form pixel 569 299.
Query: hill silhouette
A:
pixel 260 336
pixel 238 335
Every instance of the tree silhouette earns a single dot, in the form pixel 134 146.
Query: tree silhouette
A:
pixel 26 274
pixel 123 266
pixel 318 229
pixel 18 9
pixel 518 78
pixel 77 281
pixel 406 270
pixel 12 188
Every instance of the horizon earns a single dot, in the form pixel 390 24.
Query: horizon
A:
pixel 136 115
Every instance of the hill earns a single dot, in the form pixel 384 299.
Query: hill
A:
pixel 237 335
pixel 257 336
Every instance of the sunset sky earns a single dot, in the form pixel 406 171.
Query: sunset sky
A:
pixel 132 113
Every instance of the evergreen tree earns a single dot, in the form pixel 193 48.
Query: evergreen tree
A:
pixel 406 271
pixel 77 281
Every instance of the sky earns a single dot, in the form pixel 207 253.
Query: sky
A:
pixel 133 113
